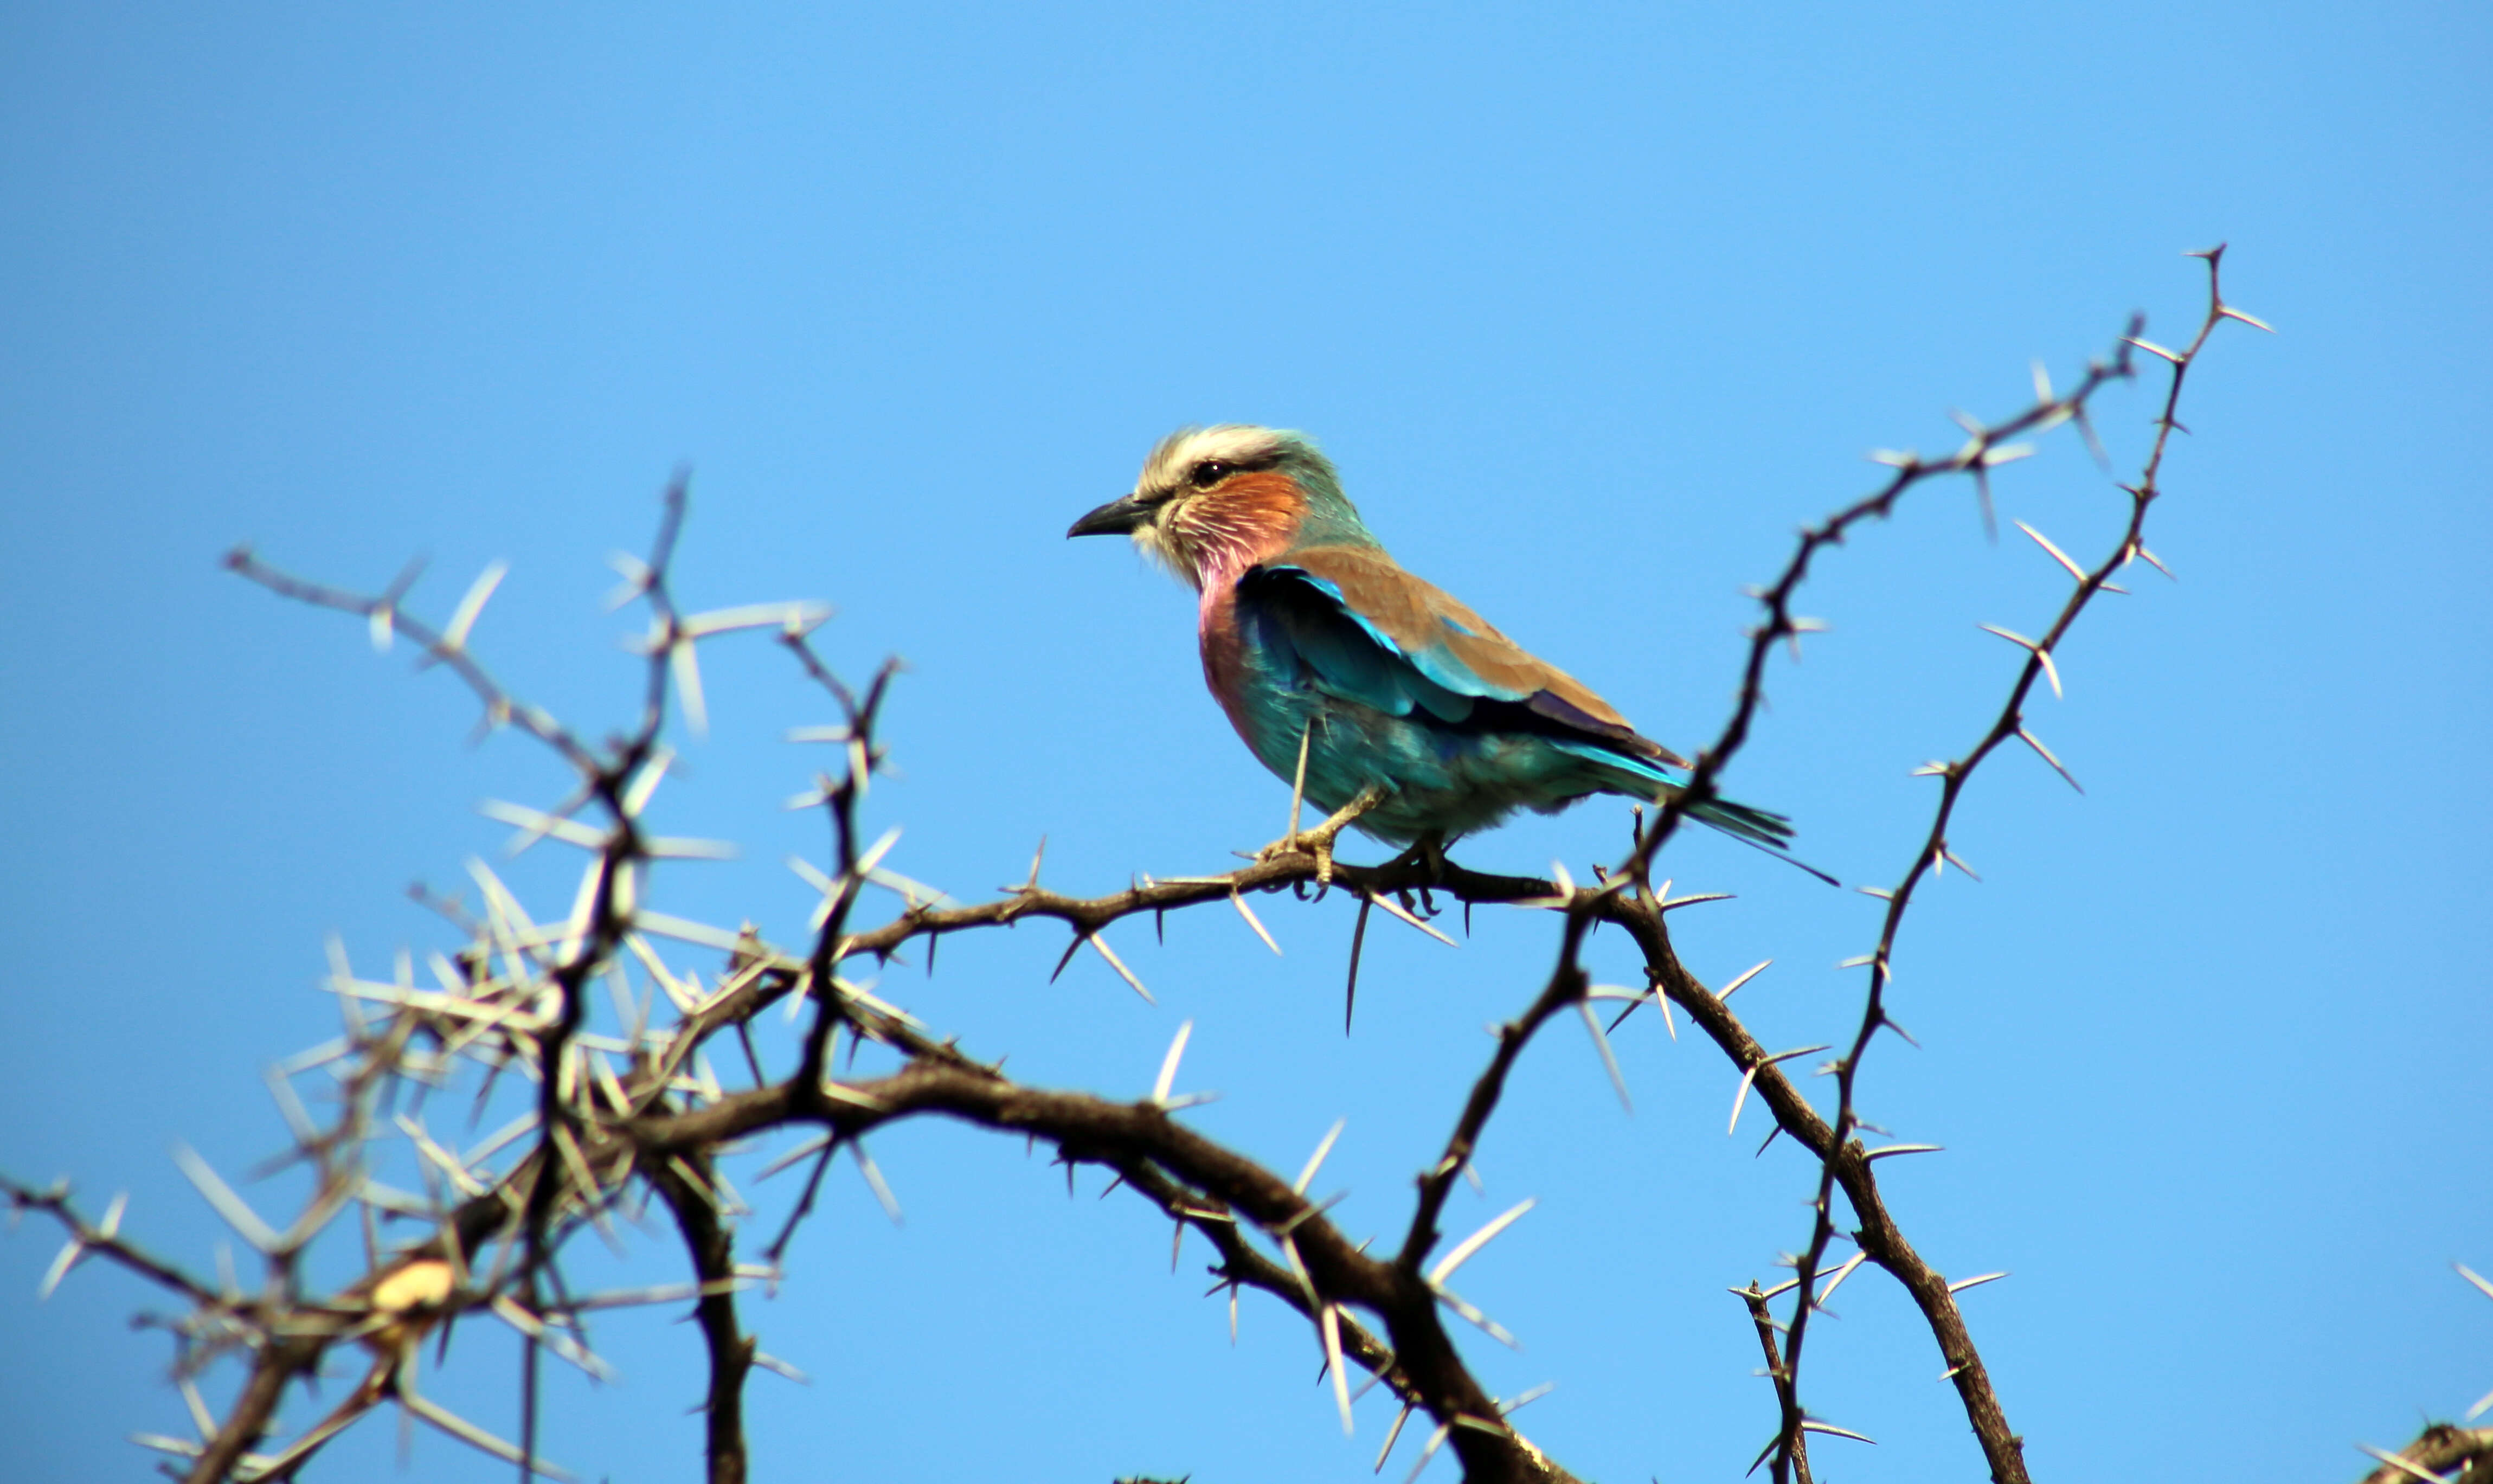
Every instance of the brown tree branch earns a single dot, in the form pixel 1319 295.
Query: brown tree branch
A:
pixel 104 1241
pixel 1780 1373
pixel 1086 1126
pixel 2441 1454
pixel 712 1245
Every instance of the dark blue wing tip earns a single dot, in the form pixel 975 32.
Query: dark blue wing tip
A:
pixel 1762 829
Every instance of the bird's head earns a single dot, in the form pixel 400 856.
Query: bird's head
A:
pixel 1214 501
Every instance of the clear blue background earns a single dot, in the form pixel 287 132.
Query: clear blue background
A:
pixel 1594 305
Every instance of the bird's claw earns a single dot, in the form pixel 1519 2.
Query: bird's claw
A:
pixel 1318 841
pixel 1424 907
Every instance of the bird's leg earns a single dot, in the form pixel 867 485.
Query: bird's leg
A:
pixel 1299 781
pixel 1428 853
pixel 1318 841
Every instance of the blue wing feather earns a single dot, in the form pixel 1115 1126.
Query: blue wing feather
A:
pixel 1350 656
pixel 1353 657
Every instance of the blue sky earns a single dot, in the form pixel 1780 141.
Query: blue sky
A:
pixel 1594 306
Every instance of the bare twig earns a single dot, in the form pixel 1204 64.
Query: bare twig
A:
pixel 2001 1447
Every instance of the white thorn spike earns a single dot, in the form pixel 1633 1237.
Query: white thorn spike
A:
pixel 874 1180
pixel 1395 909
pixel 1740 1100
pixel 1249 913
pixel 2056 555
pixel 636 797
pixel 1391 1434
pixel 72 1251
pixel 1472 1244
pixel 1168 1064
pixel 1609 1061
pixel 1315 1161
pixel 464 617
pixel 1841 1274
pixel 686 668
pixel 245 1222
pixel 1332 1327
pixel 875 852
pixel 1119 964
pixel 1730 988
pixel 1436 1440
pixel 2408 1467
pixel 2044 753
pixel 2042 655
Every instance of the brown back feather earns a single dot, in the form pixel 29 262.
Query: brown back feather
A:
pixel 1418 615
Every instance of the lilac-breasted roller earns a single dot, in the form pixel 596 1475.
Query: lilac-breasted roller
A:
pixel 1315 639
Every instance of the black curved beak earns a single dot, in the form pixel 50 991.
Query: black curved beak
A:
pixel 1118 517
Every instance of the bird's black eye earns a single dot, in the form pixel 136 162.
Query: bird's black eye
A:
pixel 1209 473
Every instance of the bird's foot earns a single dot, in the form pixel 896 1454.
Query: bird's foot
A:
pixel 1426 854
pixel 1318 841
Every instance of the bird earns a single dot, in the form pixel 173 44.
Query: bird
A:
pixel 1384 700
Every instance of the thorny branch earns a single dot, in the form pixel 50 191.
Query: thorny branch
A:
pixel 620 1119
pixel 2001 1447
pixel 1785 1388
pixel 688 1183
pixel 2442 1455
